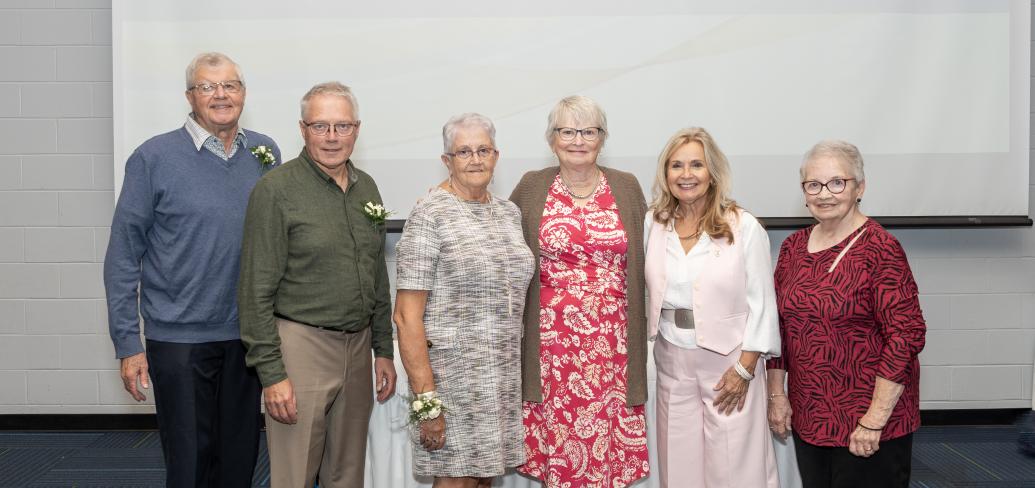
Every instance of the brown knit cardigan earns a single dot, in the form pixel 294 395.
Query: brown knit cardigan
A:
pixel 530 197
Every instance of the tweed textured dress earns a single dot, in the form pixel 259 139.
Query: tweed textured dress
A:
pixel 473 260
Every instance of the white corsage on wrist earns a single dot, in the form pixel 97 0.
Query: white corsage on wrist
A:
pixel 424 407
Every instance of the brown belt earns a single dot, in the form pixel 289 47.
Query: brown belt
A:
pixel 683 318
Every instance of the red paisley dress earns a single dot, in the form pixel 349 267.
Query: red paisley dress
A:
pixel 583 434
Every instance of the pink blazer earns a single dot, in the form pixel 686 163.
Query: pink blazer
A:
pixel 720 294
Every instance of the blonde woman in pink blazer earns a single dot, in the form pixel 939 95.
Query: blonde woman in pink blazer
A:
pixel 712 309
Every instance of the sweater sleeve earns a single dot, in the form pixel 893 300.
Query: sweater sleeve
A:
pixel 518 194
pixel 263 262
pixel 134 216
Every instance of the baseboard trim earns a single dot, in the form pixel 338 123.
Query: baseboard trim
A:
pixel 989 416
pixel 45 422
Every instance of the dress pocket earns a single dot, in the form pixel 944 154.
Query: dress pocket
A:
pixel 444 353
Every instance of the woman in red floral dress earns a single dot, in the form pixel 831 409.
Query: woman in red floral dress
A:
pixel 584 375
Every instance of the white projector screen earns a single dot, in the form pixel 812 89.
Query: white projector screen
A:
pixel 935 93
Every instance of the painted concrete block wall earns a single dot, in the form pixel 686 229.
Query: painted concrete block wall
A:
pixel 56 201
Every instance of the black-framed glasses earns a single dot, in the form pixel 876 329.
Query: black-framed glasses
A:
pixel 835 186
pixel 569 133
pixel 466 153
pixel 229 86
pixel 321 128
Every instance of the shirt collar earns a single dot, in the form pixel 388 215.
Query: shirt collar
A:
pixel 199 135
pixel 324 176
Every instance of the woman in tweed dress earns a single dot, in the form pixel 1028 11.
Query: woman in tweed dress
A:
pixel 463 271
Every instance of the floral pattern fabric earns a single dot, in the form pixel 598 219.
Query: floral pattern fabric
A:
pixel 583 434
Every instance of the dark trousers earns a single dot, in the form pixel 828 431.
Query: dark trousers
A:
pixel 836 467
pixel 207 403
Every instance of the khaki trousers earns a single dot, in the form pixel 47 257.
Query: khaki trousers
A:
pixel 332 376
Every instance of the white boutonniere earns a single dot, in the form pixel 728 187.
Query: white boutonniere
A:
pixel 264 154
pixel 376 213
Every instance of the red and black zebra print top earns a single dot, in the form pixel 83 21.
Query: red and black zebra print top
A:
pixel 842 329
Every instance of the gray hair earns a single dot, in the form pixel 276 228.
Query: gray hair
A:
pixel 211 60
pixel 844 151
pixel 466 120
pixel 332 88
pixel 582 109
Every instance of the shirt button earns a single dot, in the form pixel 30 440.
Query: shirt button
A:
pixel 430 344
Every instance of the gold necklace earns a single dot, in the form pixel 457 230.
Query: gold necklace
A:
pixel 693 235
pixel 690 237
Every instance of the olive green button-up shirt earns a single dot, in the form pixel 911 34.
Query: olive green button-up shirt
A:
pixel 311 255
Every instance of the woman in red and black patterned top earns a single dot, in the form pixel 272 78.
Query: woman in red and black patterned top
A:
pixel 851 328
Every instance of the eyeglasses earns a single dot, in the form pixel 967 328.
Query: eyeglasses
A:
pixel 835 186
pixel 321 128
pixel 229 86
pixel 466 153
pixel 589 133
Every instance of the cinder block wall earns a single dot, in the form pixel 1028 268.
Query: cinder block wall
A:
pixel 56 200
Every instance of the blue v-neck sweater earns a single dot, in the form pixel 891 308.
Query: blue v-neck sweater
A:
pixel 177 234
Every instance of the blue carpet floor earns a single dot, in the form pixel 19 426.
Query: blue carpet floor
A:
pixel 943 457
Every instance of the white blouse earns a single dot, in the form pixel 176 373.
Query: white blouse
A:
pixel 762 333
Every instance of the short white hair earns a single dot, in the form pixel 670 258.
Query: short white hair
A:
pixel 332 88
pixel 469 119
pixel 211 60
pixel 583 109
pixel 842 150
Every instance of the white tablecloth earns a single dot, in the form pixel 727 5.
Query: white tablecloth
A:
pixel 389 455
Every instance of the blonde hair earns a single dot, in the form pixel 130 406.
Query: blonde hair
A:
pixel 719 208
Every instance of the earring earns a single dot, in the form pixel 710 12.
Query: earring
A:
pixel 806 205
pixel 858 200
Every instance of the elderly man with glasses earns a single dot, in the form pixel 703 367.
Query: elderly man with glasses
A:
pixel 173 259
pixel 315 300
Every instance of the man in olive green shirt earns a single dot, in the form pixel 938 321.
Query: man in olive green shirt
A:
pixel 314 300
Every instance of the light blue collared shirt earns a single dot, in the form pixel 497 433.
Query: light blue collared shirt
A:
pixel 202 138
